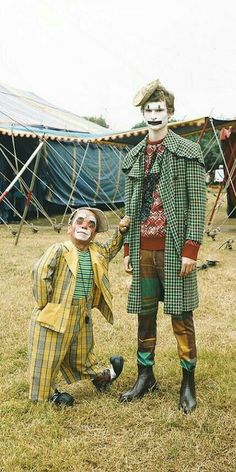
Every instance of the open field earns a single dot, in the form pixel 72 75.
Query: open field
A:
pixel 98 433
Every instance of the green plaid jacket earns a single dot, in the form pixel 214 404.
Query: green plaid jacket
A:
pixel 183 194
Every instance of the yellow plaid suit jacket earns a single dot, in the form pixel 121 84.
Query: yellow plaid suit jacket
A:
pixel 54 276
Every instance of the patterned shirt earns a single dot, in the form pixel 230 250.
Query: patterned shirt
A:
pixel 84 278
pixel 153 227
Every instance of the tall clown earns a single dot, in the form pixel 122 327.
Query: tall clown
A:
pixel 165 199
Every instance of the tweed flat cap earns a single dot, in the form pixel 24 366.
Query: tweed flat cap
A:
pixel 145 92
pixel 102 223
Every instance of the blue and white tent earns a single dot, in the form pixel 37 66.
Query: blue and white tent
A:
pixel 80 161
pixel 75 168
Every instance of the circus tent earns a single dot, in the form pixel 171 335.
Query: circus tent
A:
pixel 79 162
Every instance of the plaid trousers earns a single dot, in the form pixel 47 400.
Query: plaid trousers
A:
pixel 70 352
pixel 152 286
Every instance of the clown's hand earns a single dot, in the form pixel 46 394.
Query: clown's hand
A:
pixel 127 265
pixel 124 224
pixel 188 265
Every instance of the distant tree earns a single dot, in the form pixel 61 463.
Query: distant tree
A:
pixel 99 120
pixel 211 151
pixel 140 125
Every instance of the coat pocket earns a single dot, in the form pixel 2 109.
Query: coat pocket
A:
pixel 54 316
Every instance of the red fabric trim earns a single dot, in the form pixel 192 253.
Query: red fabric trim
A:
pixel 126 249
pixel 157 244
pixel 191 249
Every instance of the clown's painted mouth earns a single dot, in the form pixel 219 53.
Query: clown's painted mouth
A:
pixel 154 123
pixel 81 234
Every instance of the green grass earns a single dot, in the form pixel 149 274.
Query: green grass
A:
pixel 98 433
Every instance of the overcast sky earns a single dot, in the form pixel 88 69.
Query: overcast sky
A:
pixel 92 56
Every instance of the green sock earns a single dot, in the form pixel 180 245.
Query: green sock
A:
pixel 188 365
pixel 145 358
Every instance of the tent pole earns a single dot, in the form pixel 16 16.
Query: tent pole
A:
pixel 223 157
pixel 75 182
pixel 21 171
pixel 203 130
pixel 28 197
pixel 215 205
pixel 223 182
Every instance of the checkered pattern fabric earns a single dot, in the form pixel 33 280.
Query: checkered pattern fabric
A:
pixel 54 280
pixel 183 194
pixel 59 336
pixel 71 352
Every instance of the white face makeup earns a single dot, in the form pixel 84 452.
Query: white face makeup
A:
pixel 83 226
pixel 156 115
pixel 82 234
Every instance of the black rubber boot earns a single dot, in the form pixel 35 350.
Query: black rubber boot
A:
pixel 145 383
pixel 63 398
pixel 117 363
pixel 187 401
pixel 103 380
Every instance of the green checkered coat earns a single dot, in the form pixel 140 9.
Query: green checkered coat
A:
pixel 183 194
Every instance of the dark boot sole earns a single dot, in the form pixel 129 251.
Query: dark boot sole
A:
pixel 150 389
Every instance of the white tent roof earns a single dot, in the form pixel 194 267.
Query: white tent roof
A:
pixel 18 107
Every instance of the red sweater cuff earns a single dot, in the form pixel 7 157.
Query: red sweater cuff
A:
pixel 126 249
pixel 190 249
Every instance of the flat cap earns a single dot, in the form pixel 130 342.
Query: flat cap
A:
pixel 145 93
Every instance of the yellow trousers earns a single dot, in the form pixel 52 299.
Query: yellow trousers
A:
pixel 70 352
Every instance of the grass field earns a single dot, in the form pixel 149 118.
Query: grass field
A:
pixel 98 433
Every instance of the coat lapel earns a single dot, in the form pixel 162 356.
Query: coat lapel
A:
pixel 72 260
pixel 96 264
pixel 71 257
pixel 166 191
pixel 166 184
pixel 133 163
